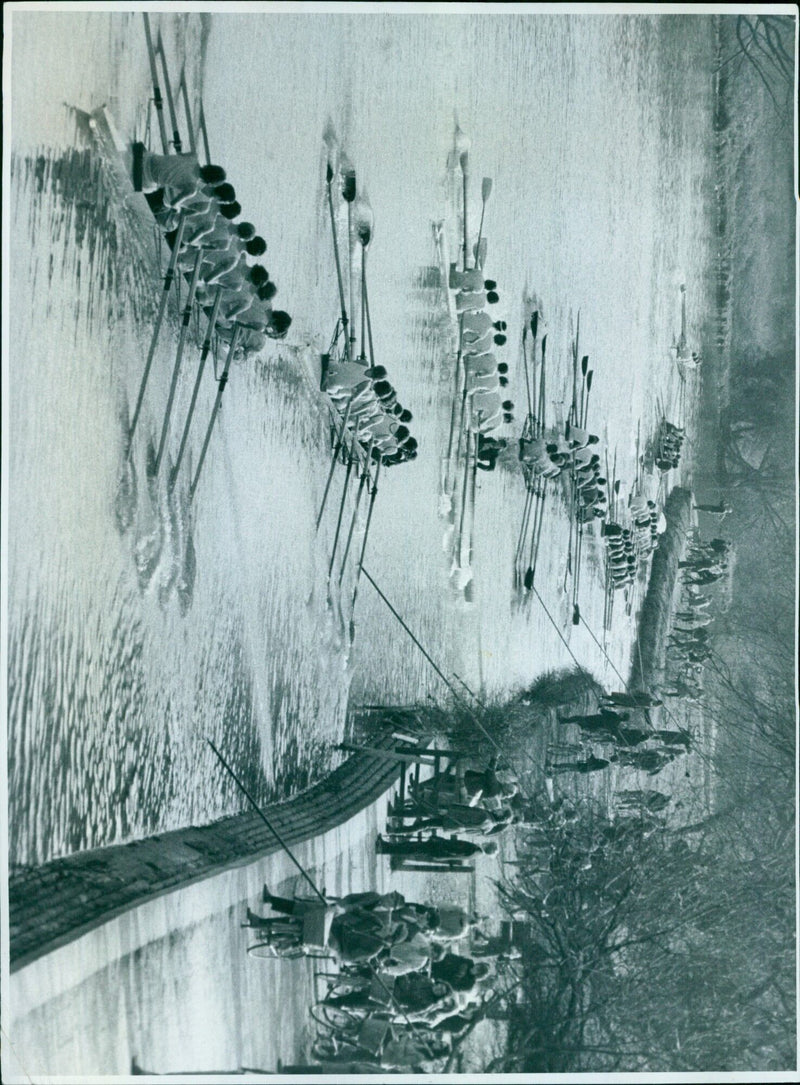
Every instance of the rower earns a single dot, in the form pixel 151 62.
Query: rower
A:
pixel 578 438
pixel 257 315
pixel 470 300
pixel 477 363
pixel 480 346
pixel 345 379
pixel 476 324
pixel 180 173
pixel 482 382
pixel 278 324
pixel 471 279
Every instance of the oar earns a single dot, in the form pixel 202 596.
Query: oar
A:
pixel 540 524
pixel 459 377
pixel 527 580
pixel 527 374
pixel 212 320
pixel 162 308
pixel 523 534
pixel 464 161
pixel 472 497
pixel 359 570
pixel 349 195
pixel 159 101
pixel 585 418
pixel 362 355
pixel 187 316
pixel 369 323
pixel 572 509
pixel 364 233
pixel 584 367
pixel 223 380
pixel 575 356
pixel 343 309
pixel 350 461
pixel 534 326
pixel 176 137
pixel 470 439
pixel 361 485
pixel 201 123
pixel 182 88
pixel 486 191
pixel 336 452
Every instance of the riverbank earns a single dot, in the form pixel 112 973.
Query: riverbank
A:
pixel 649 656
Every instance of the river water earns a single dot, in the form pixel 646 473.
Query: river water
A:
pixel 596 131
pixel 123 656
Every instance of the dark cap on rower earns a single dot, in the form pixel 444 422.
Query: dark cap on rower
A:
pixel 493 297
pixel 225 193
pixel 256 246
pixel 259 275
pixel 245 230
pixel 278 324
pixel 230 211
pixel 212 175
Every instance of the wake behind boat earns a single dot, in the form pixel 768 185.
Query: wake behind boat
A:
pixel 478 409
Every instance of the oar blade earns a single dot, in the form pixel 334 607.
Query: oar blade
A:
pixel 584 364
pixel 486 188
pixel 534 322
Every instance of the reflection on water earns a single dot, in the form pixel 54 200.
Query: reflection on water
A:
pixel 139 624
pixel 118 667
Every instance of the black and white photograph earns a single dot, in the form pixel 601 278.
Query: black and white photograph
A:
pixel 399 542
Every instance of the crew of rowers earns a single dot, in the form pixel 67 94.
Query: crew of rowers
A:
pixel 621 555
pixel 485 377
pixel 576 453
pixel 670 444
pixel 647 524
pixel 628 547
pixel 368 403
pixel 214 248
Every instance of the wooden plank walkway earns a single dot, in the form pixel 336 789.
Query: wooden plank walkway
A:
pixel 57 902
